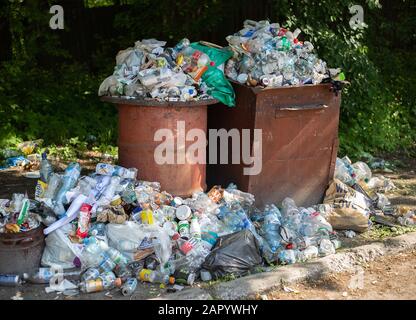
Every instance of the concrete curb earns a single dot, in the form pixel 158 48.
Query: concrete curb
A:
pixel 345 260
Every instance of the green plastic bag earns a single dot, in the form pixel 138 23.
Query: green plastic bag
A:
pixel 219 87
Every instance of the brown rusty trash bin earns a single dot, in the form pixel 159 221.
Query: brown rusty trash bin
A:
pixel 21 252
pixel 299 141
pixel 137 124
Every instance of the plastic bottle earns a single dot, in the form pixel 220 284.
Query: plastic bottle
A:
pixel 288 256
pixel 154 276
pixel 314 223
pixel 53 186
pixel 94 252
pixel 234 217
pixel 117 256
pixel 181 45
pixel 98 285
pixel 343 173
pixel 193 62
pixel 83 220
pixel 271 227
pixel 44 275
pixel 10 280
pixel 362 171
pixel 110 170
pixel 195 228
pixel 45 168
pixel 69 179
pixel 326 247
pixel 109 191
pixel 310 252
pixel 24 211
pixel 129 287
pixel 90 274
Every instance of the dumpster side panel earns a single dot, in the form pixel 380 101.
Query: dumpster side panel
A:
pixel 300 130
pixel 299 141
pixel 137 128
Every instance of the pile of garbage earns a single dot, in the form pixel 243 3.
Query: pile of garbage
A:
pixel 186 72
pixel 115 230
pixel 22 155
pixel 111 230
pixel 269 55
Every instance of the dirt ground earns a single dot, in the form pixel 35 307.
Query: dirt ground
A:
pixel 389 278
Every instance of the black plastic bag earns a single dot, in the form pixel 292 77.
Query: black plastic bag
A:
pixel 237 253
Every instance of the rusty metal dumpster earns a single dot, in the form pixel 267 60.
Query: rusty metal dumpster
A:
pixel 21 252
pixel 299 141
pixel 138 122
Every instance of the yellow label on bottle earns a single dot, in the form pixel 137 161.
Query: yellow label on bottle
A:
pixel 94 285
pixel 145 275
pixel 147 217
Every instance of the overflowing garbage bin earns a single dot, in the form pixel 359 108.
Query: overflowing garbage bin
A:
pixel 299 141
pixel 139 120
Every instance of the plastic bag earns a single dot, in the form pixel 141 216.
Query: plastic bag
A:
pixel 130 238
pixel 237 253
pixel 349 207
pixel 59 250
pixel 219 87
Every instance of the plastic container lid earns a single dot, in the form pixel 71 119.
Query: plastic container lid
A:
pixel 183 212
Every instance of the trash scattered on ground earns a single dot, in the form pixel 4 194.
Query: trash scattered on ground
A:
pixel 18 296
pixel 186 72
pixel 290 290
pixel 269 55
pixel 110 230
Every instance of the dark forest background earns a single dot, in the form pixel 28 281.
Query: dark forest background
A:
pixel 49 78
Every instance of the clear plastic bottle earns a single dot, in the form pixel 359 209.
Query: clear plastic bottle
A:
pixel 326 247
pixel 155 276
pixel 53 186
pixel 98 285
pixel 129 287
pixel 44 275
pixel 234 217
pixel 45 168
pixel 112 170
pixel 288 256
pixel 195 228
pixel 69 180
pixel 309 253
pixel 271 227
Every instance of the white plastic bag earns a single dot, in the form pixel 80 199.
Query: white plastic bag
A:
pixel 59 250
pixel 128 237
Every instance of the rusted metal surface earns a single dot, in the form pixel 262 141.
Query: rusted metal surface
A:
pixel 299 141
pixel 138 124
pixel 21 252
